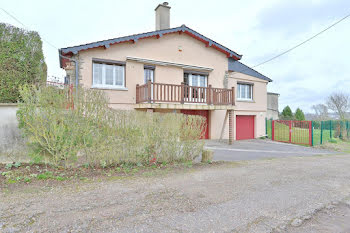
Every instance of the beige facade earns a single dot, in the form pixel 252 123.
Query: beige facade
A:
pixel 171 55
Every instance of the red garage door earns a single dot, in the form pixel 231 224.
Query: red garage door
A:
pixel 203 113
pixel 244 127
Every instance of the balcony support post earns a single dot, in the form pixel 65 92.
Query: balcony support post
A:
pixel 233 96
pixel 149 86
pixel 209 95
pixel 182 93
pixel 230 130
pixel 137 93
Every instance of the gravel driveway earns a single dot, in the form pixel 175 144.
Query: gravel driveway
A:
pixel 259 149
pixel 251 196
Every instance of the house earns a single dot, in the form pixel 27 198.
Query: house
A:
pixel 175 70
pixel 272 106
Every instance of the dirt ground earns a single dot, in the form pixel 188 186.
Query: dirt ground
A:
pixel 294 194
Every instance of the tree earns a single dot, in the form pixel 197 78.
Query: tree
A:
pixel 339 103
pixel 321 112
pixel 287 113
pixel 21 61
pixel 299 115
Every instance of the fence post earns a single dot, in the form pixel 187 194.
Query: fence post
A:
pixel 330 129
pixel 321 133
pixel 340 129
pixel 273 130
pixel 266 126
pixel 311 133
pixel 290 131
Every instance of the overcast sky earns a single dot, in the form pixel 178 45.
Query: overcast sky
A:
pixel 257 29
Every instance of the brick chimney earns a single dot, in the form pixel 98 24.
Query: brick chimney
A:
pixel 162 16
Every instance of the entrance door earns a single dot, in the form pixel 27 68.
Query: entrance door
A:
pixel 244 127
pixel 203 113
pixel 196 80
pixel 149 76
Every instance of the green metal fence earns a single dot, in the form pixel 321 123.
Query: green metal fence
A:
pixel 268 128
pixel 322 131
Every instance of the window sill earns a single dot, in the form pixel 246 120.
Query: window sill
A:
pixel 110 88
pixel 248 101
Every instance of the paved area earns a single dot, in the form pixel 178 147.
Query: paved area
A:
pixel 259 149
pixel 280 195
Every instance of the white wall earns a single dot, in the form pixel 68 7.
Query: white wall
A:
pixel 10 135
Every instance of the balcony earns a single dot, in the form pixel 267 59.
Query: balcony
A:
pixel 152 93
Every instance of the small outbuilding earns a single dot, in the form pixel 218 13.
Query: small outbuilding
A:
pixel 272 106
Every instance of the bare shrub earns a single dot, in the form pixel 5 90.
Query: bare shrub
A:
pixel 100 135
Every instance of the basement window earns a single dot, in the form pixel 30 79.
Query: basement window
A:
pixel 108 76
pixel 244 91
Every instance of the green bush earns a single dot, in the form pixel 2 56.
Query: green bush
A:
pixel 333 140
pixel 21 61
pixel 95 134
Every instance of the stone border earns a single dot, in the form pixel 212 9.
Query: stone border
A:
pixel 8 104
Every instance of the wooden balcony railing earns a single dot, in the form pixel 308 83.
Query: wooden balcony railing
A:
pixel 172 93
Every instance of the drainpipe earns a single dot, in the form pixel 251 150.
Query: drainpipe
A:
pixel 76 77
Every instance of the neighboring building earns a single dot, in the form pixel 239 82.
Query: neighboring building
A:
pixel 175 70
pixel 272 106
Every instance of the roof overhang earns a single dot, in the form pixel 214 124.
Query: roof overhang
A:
pixel 70 51
pixel 236 66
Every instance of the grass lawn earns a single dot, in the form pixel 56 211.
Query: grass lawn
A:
pixel 325 136
pixel 299 135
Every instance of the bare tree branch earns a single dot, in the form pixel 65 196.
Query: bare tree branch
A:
pixel 339 103
pixel 321 112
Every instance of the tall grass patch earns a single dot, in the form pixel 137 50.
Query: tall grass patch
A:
pixel 66 132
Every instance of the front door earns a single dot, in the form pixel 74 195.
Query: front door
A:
pixel 149 76
pixel 196 80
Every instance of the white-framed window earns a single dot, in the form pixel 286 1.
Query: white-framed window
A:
pixel 108 75
pixel 196 80
pixel 244 91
